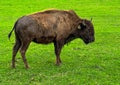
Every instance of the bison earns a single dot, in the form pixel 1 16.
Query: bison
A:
pixel 57 26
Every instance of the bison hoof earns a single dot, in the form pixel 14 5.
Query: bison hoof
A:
pixel 27 67
pixel 13 67
pixel 58 64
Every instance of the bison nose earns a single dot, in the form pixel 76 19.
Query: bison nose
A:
pixel 92 39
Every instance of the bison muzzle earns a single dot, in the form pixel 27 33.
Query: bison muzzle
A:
pixel 57 26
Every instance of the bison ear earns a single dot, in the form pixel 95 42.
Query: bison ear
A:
pixel 91 19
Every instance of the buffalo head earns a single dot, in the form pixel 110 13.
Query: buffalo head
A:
pixel 85 31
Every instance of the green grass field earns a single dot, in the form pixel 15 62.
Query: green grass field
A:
pixel 95 64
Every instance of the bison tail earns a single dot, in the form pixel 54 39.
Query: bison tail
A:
pixel 9 35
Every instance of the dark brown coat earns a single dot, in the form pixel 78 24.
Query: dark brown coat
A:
pixel 57 26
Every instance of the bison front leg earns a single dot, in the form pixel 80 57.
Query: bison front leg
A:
pixel 58 46
pixel 15 50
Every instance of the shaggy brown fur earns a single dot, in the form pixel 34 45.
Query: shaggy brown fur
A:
pixel 57 26
pixel 53 22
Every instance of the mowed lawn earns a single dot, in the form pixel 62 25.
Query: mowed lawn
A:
pixel 95 64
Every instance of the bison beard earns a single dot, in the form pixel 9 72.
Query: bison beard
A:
pixel 57 26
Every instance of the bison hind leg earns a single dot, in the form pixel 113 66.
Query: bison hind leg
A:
pixel 15 50
pixel 23 49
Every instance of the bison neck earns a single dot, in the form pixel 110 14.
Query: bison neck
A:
pixel 70 38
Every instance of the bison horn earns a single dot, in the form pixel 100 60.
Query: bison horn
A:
pixel 79 27
pixel 91 19
pixel 82 25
